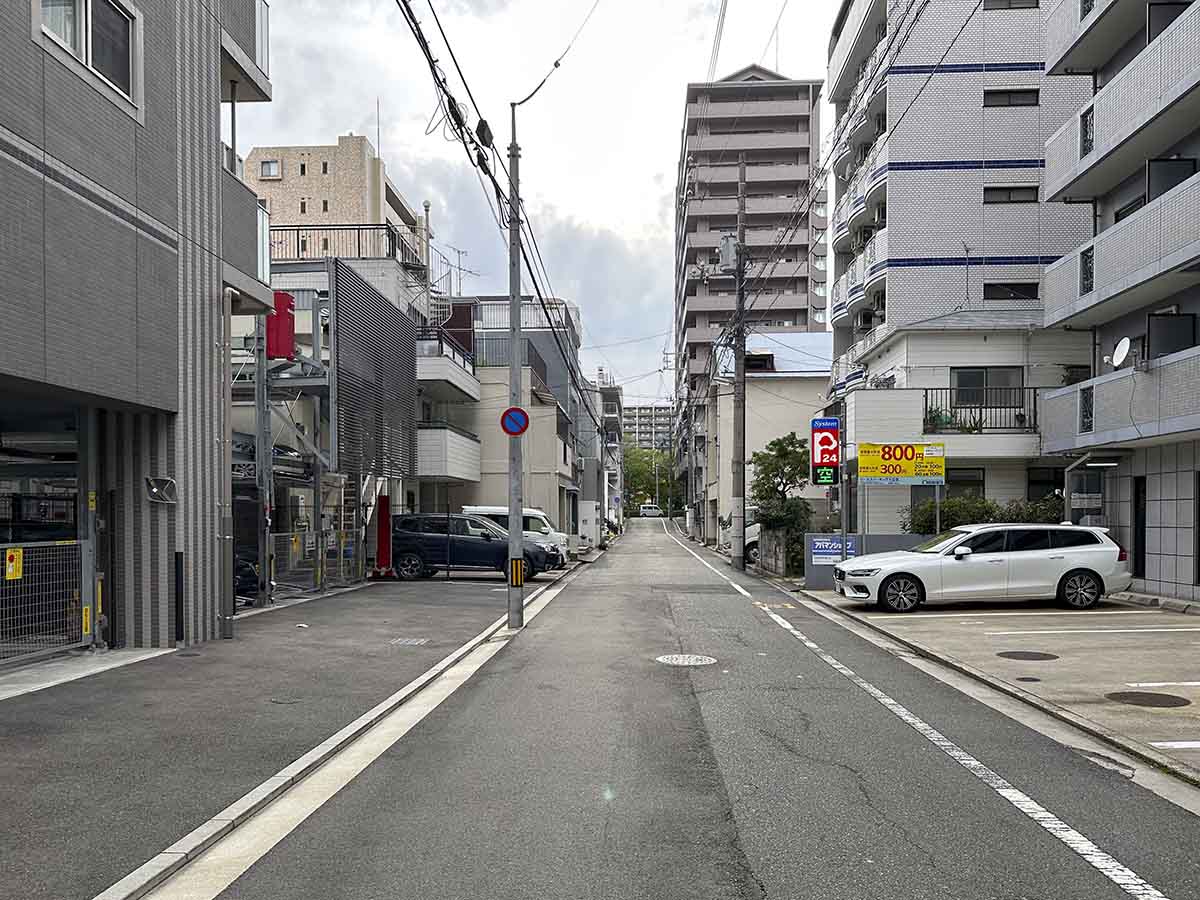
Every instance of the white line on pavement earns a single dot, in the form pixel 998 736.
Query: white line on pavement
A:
pixel 991 615
pixel 1162 684
pixel 737 587
pixel 1125 878
pixel 1095 631
pixel 1176 745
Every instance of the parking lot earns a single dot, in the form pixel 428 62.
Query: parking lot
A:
pixel 1133 671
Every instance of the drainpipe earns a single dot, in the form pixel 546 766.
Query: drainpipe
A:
pixel 1067 484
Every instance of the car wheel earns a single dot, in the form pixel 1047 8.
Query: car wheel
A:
pixel 1080 589
pixel 531 571
pixel 752 554
pixel 409 567
pixel 901 593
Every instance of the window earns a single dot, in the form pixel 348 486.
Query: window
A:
pixel 1043 482
pixel 1129 208
pixel 269 168
pixel 303 168
pixel 1011 97
pixel 325 244
pixel 1023 539
pixel 100 34
pixel 324 168
pixel 959 483
pixel 1011 290
pixel 1085 8
pixel 408 523
pixel 1062 538
pixel 1164 174
pixel 1020 194
pixel 324 206
pixel 1010 4
pixel 435 525
pixel 987 542
pixel 1087 131
pixel 303 207
pixel 997 386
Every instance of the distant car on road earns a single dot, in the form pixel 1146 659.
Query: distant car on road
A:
pixel 650 511
pixel 424 543
pixel 1074 564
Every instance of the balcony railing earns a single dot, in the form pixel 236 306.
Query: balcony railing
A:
pixel 436 342
pixel 968 410
pixel 232 163
pixel 264 245
pixel 295 242
pixel 443 425
pixel 493 350
pixel 262 32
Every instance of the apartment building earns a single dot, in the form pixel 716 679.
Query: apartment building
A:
pixel 1128 154
pixel 613 399
pixel 940 234
pixel 648 426
pixel 775 122
pixel 128 245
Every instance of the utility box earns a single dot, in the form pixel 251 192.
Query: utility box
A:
pixel 281 328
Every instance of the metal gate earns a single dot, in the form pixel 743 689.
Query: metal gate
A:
pixel 44 607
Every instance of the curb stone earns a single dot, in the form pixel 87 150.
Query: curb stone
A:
pixel 1170 604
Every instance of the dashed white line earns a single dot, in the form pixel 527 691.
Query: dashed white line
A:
pixel 1176 745
pixel 737 587
pixel 1126 879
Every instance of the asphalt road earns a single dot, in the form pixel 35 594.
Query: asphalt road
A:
pixel 573 765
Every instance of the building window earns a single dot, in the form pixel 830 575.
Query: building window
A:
pixel 1021 194
pixel 1087 270
pixel 303 207
pixel 270 168
pixel 262 31
pixel 1010 4
pixel 992 387
pixel 324 206
pixel 101 34
pixel 1010 290
pixel 1129 208
pixel 324 168
pixel 303 168
pixel 1085 8
pixel 1086 410
pixel 1087 131
pixel 325 244
pixel 959 483
pixel 1011 97
pixel 1043 482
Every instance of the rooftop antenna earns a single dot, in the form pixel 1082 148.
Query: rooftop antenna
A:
pixel 378 128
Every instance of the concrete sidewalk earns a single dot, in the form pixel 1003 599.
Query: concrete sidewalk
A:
pixel 99 774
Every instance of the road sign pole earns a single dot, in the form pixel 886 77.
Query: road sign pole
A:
pixel 843 492
pixel 516 498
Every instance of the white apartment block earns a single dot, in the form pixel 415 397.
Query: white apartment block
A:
pixel 649 426
pixel 1128 154
pixel 940 234
pixel 775 122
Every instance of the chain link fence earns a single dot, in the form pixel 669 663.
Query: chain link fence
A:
pixel 343 557
pixel 296 556
pixel 41 599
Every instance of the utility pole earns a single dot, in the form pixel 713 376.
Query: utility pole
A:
pixel 263 458
pixel 738 551
pixel 516 499
pixel 656 503
pixel 459 267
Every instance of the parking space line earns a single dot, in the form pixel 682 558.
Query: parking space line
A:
pixel 1162 684
pixel 1094 631
pixel 1176 745
pixel 1043 612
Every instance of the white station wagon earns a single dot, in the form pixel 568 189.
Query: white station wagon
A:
pixel 1077 565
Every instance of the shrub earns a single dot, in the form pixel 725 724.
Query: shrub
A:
pixel 922 518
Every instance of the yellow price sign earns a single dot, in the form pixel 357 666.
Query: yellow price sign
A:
pixel 902 463
pixel 14 564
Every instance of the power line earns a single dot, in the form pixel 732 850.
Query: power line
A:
pixel 637 340
pixel 561 56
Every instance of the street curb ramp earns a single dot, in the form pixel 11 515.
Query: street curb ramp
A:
pixel 150 875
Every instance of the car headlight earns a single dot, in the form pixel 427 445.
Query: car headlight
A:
pixel 863 573
pixel 549 548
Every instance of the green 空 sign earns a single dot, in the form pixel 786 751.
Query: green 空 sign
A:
pixel 825 475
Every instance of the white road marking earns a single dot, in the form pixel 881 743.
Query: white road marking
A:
pixel 1162 684
pixel 1176 745
pixel 1125 878
pixel 991 615
pixel 1095 631
pixel 737 587
pixel 210 872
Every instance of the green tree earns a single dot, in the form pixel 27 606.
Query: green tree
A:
pixel 640 479
pixel 922 518
pixel 781 469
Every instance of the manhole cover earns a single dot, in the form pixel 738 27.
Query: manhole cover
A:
pixel 685 659
pixel 1028 678
pixel 1149 698
pixel 1026 654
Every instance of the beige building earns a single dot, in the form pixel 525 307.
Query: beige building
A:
pixel 780 398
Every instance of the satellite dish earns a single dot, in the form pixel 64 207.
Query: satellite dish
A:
pixel 1121 353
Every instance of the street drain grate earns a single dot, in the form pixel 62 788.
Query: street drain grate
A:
pixel 1149 698
pixel 409 642
pixel 1028 678
pixel 1026 654
pixel 685 659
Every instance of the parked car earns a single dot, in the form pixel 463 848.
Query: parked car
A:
pixel 424 543
pixel 537 526
pixel 752 535
pixel 1074 564
pixel 650 511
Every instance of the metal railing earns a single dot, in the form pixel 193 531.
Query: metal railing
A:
pixel 443 425
pixel 343 559
pixel 980 410
pixel 436 342
pixel 42 603
pixel 493 350
pixel 294 242
pixel 295 557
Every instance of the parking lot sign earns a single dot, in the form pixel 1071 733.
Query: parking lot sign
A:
pixel 902 463
pixel 825 451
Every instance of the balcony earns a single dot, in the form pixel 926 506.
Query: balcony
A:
pixel 447 453
pixel 244 234
pixel 971 432
pixel 766 140
pixel 1142 258
pixel 612 411
pixel 873 340
pixel 1125 407
pixel 756 173
pixel 749 109
pixel 291 243
pixel 875 258
pixel 1147 108
pixel 1081 35
pixel 839 306
pixel 855 42
pixel 445 371
pixel 728 206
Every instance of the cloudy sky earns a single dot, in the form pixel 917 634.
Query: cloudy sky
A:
pixel 600 143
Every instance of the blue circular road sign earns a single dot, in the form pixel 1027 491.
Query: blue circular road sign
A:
pixel 514 421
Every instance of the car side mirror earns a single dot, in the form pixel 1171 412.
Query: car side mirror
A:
pixel 543 530
pixel 962 552
pixel 486 535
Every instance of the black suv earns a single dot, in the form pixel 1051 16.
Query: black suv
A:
pixel 426 542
